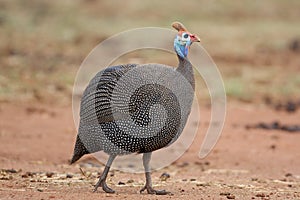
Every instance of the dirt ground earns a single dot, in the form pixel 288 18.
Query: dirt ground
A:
pixel 256 47
pixel 37 141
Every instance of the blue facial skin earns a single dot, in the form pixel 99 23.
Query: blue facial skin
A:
pixel 181 47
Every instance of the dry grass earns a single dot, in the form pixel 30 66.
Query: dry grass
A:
pixel 43 43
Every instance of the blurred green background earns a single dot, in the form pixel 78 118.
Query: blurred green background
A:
pixel 255 44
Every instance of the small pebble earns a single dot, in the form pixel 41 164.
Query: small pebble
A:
pixel 202 184
pixel 207 163
pixel 69 176
pixel 24 176
pixel 49 174
pixel 225 193
pixel 121 183
pixel 31 174
pixel 198 163
pixel 9 170
pixel 294 45
pixel 291 106
pixel 40 190
pixel 130 181
pixel 6 177
pixel 164 176
pixel 260 195
pixel 288 175
pixel 230 197
pixel 88 174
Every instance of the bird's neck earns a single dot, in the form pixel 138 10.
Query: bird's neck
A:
pixel 186 69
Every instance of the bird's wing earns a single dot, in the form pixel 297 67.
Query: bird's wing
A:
pixel 96 105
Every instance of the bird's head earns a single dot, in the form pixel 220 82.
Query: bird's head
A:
pixel 183 40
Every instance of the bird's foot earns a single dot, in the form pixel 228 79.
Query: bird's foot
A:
pixel 150 190
pixel 102 183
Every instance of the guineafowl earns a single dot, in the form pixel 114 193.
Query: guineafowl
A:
pixel 136 108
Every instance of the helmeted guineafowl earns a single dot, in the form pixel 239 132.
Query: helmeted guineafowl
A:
pixel 119 116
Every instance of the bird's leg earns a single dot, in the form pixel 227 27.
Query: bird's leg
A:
pixel 102 179
pixel 148 185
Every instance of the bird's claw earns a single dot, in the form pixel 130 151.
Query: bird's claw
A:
pixel 150 190
pixel 102 183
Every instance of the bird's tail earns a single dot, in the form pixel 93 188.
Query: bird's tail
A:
pixel 79 150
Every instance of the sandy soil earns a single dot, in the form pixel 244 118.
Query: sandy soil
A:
pixel 256 47
pixel 37 140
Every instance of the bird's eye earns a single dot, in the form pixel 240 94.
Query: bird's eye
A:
pixel 185 35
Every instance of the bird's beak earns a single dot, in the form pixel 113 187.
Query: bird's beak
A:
pixel 196 39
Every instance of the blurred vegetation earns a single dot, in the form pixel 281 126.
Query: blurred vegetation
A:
pixel 42 43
